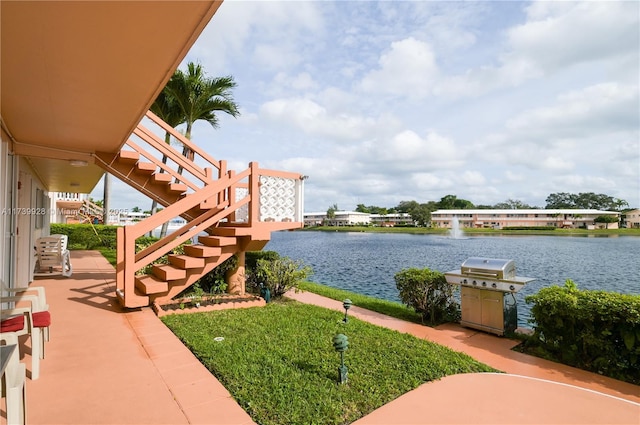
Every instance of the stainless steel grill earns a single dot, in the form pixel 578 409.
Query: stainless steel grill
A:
pixel 490 267
pixel 484 286
pixel 489 273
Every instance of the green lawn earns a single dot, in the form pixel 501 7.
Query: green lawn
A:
pixel 389 308
pixel 278 361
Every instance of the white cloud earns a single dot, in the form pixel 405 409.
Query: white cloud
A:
pixel 560 34
pixel 603 107
pixel 407 69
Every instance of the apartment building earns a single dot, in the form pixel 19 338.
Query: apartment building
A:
pixel 498 219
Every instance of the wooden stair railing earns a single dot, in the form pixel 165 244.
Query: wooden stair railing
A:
pixel 237 210
pixel 129 262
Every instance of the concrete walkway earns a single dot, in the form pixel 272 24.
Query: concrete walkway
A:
pixel 108 366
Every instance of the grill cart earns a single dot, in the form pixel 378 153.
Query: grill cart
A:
pixel 487 293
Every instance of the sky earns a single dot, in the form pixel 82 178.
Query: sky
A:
pixel 383 102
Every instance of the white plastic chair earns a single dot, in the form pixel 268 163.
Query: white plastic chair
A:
pixel 53 257
pixel 14 386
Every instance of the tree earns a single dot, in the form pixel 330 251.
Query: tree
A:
pixel 451 202
pixel 106 194
pixel 331 212
pixel 192 96
pixel 606 219
pixel 167 109
pixel 199 97
pixel 560 200
pixel 407 206
pixel 512 204
pixel 420 213
pixel 586 200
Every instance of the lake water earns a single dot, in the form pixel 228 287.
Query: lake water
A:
pixel 367 262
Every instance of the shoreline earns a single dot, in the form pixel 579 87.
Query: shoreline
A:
pixel 476 232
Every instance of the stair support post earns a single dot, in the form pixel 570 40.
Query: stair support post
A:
pixel 120 269
pixel 254 193
pixel 236 279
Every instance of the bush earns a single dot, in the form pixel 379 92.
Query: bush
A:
pixel 215 281
pixel 251 258
pixel 428 293
pixel 86 236
pixel 543 228
pixel 278 275
pixel 593 330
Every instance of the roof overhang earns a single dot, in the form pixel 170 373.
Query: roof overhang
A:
pixel 78 76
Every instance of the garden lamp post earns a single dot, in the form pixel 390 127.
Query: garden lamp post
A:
pixel 340 344
pixel 265 292
pixel 347 305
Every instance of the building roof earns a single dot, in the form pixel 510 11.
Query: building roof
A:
pixel 527 211
pixel 78 76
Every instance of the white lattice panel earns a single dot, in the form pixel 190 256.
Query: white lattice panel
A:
pixel 277 199
pixel 242 214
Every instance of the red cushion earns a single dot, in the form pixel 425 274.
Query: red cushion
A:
pixel 12 324
pixel 42 319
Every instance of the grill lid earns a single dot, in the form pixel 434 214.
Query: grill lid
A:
pixel 489 267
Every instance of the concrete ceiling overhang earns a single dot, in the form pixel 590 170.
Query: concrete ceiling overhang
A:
pixel 78 76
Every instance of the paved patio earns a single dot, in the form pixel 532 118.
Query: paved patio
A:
pixel 104 365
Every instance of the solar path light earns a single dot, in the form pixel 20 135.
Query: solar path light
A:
pixel 347 305
pixel 341 343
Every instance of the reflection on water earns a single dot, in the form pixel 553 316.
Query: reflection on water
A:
pixel 366 262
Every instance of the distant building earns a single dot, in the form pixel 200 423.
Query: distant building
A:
pixel 341 218
pixel 355 218
pixel 391 220
pixel 68 207
pixel 631 219
pixel 497 219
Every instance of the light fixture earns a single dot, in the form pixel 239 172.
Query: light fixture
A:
pixel 78 163
pixel 347 305
pixel 74 184
pixel 341 344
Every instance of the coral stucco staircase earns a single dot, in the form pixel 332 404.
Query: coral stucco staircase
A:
pixel 226 213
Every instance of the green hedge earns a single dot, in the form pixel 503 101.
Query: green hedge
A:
pixel 545 228
pixel 593 330
pixel 87 236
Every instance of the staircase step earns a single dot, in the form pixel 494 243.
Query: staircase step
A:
pixel 168 272
pixel 149 284
pixel 217 240
pixel 177 188
pixel 129 156
pixel 162 177
pixel 146 167
pixel 202 251
pixel 226 229
pixel 186 261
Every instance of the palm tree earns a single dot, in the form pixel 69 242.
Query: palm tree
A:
pixel 168 111
pixel 192 96
pixel 199 97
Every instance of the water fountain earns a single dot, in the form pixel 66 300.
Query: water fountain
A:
pixel 456 229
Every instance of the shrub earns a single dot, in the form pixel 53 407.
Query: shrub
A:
pixel 278 275
pixel 252 257
pixel 428 293
pixel 215 281
pixel 593 330
pixel 86 236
